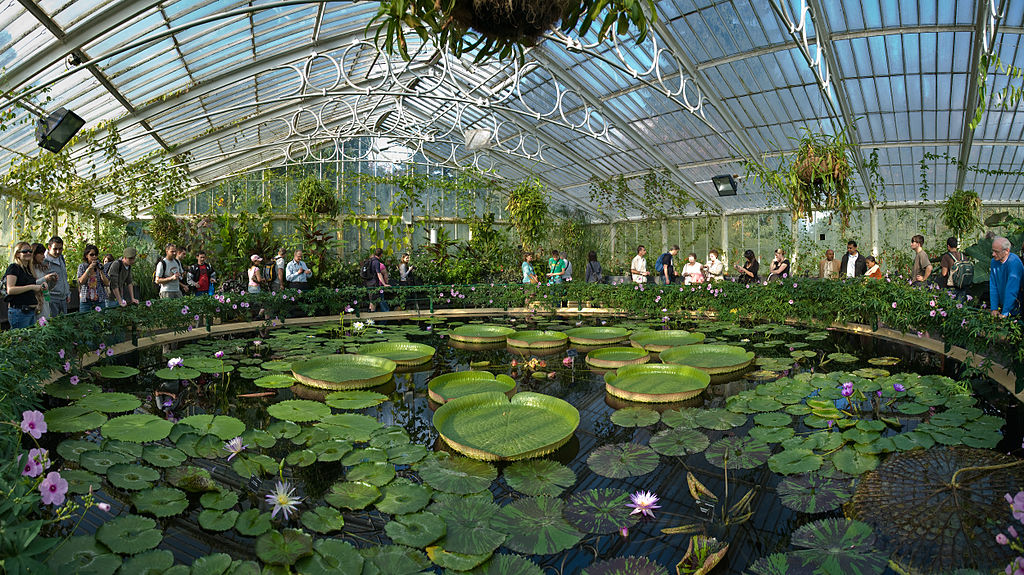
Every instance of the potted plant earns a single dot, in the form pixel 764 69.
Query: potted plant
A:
pixel 961 212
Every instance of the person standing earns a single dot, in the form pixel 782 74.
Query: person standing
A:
pixel 922 268
pixel 853 265
pixel 693 272
pixel 44 277
pixel 779 268
pixel 946 265
pixel 21 288
pixel 379 280
pixel 92 282
pixel 169 273
pixel 297 272
pixel 567 275
pixel 592 273
pixel 667 273
pixel 715 267
pixel 638 267
pixel 279 269
pixel 60 292
pixel 1004 280
pixel 557 266
pixel 122 286
pixel 529 276
pixel 873 270
pixel 405 268
pixel 255 275
pixel 201 275
pixel 748 271
pixel 829 267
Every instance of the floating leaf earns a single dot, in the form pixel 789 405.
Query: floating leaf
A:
pixel 153 562
pixel 481 333
pixel 842 357
pixel 775 419
pixel 349 426
pixel 719 419
pixel 406 454
pixel 299 410
pixel 403 496
pixel 222 426
pixel 129 534
pixel 358 456
pixel 205 364
pixel 323 520
pixel 192 479
pixel 217 519
pixel 535 526
pixel 284 548
pixel 737 453
pixel 470 525
pixel 771 434
pixel 459 562
pixel 81 481
pixel 401 352
pixel 161 456
pixel 812 493
pixel 393 560
pixel 219 500
pixel 137 427
pixel 109 402
pixel 635 417
pixel 343 371
pixel 791 461
pixel 352 495
pixel 275 381
pixel 391 436
pixel 132 477
pixel 685 418
pixel 355 399
pixel 870 372
pixel 712 359
pixel 625 566
pixel 600 511
pixel 65 390
pixel 83 554
pixel 276 365
pixel 663 339
pixel 72 449
pixel 331 450
pixel 455 474
pixel 160 501
pixel 539 477
pixel 331 557
pixel 416 529
pixel 678 442
pixel 616 357
pixel 884 361
pixel 177 373
pixel 839 546
pixel 72 419
pixel 252 523
pixel 456 384
pixel 507 565
pixel 99 461
pixel 656 382
pixel 849 460
pixel 374 473
pixel 537 339
pixel 623 460
pixel 301 458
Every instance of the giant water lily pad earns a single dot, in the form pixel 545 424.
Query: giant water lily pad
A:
pixel 400 352
pixel 812 493
pixel 73 419
pixel 656 383
pixel 539 477
pixel 932 523
pixel 115 371
pixel 597 335
pixel 660 340
pixel 354 399
pixel 343 371
pixel 461 383
pixel 160 501
pixel 299 410
pixel 535 526
pixel 737 453
pixel 416 529
pixel 710 358
pixel 83 555
pixel 679 442
pixel 616 357
pixel 481 333
pixel 623 460
pixel 454 474
pixel 137 428
pixel 600 511
pixel 223 426
pixel 537 339
pixel 625 566
pixel 470 525
pixel 492 427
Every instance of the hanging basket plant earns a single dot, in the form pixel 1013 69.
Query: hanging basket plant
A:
pixel 961 212
pixel 523 21
pixel 315 197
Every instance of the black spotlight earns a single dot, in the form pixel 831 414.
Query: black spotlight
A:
pixel 55 130
pixel 726 185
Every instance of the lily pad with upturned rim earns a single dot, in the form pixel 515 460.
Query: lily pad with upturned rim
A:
pixel 448 386
pixel 621 460
pixel 481 333
pixel 536 339
pixel 535 526
pixel 616 357
pixel 660 340
pixel 400 352
pixel 656 383
pixel 491 427
pixel 710 358
pixel 597 335
pixel 600 511
pixel 456 474
pixel 539 477
pixel 343 371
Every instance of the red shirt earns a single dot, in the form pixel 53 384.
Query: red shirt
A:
pixel 204 279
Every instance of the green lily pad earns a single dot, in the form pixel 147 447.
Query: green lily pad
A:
pixel 72 449
pixel 81 481
pixel 252 522
pixel 616 357
pixel 884 361
pixel 400 352
pixel 719 419
pixel 416 529
pixel 137 428
pixel 594 335
pixel 403 496
pixel 470 525
pixel 623 460
pixel 301 458
pixel 535 526
pixel 160 501
pixel 849 460
pixel 679 442
pixel 656 383
pixel 72 419
pixel 456 384
pixel 354 399
pixel 219 500
pixel 161 456
pixel 349 426
pixel 205 364
pixel 625 566
pixel 299 410
pixel 539 477
pixel 764 404
pixel 331 450
pixel 85 556
pixel 481 333
pixel 635 417
pixel 374 473
pixel 842 357
pixel 771 434
pixel 331 557
pixel 362 455
pixel 406 454
pixel 115 371
pixel 99 461
pixel 661 340
pixel 792 461
pixel 391 436
pixel 812 493
pixel 507 565
pixel 153 562
pixel 352 495
pixel 284 548
pixel 870 372
pixel 737 453
pixel 537 339
pixel 712 359
pixel 275 381
pixel 454 474
pixel 490 426
pixel 685 418
pixel 131 476
pixel 774 419
pixel 223 426
pixel 65 390
pixel 600 511
pixel 458 562
pixel 839 546
pixel 177 373
pixel 217 519
pixel 323 520
pixel 343 371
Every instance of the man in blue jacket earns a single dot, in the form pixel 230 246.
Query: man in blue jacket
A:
pixel 1004 279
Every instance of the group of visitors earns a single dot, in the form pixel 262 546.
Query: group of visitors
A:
pixel 560 268
pixel 665 272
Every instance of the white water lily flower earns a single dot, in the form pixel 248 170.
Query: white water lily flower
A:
pixel 358 326
pixel 175 362
pixel 283 499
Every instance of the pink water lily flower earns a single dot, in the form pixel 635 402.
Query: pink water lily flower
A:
pixel 33 423
pixel 644 503
pixel 53 489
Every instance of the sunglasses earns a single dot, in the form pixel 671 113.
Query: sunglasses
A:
pixel 24 251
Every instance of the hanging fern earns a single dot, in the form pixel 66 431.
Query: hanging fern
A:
pixel 527 209
pixel 961 212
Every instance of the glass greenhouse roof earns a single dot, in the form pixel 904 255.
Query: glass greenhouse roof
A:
pixel 232 86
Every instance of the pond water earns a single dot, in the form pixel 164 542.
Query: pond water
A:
pixel 725 449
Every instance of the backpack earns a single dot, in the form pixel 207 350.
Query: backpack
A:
pixel 659 264
pixel 366 271
pixel 961 273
